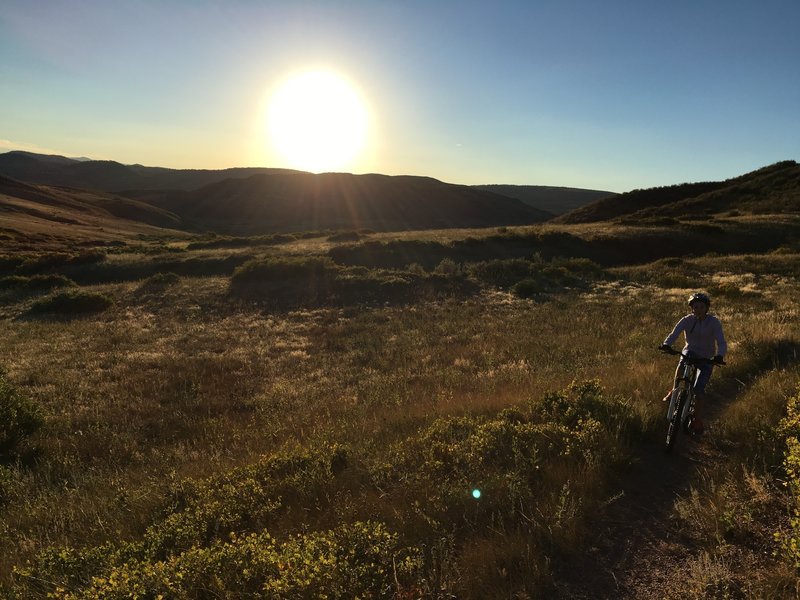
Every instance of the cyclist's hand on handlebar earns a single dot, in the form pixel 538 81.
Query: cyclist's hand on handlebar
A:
pixel 718 360
pixel 665 348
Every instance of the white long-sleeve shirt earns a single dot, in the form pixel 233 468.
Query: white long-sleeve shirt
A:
pixel 703 337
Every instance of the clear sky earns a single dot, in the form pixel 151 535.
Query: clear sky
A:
pixel 611 95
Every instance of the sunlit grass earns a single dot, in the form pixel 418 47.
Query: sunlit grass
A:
pixel 182 381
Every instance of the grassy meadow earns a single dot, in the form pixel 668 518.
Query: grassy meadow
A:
pixel 313 415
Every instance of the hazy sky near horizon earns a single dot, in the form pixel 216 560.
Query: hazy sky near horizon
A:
pixel 611 95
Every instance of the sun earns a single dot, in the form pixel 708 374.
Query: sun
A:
pixel 317 122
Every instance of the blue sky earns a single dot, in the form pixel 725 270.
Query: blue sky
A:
pixel 612 95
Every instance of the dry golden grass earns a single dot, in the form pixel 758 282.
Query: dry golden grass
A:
pixel 180 380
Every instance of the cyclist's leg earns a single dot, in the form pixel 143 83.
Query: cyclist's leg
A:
pixel 674 382
pixel 703 375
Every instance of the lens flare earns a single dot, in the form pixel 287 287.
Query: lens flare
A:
pixel 476 493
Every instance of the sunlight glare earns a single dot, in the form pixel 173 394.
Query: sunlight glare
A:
pixel 317 122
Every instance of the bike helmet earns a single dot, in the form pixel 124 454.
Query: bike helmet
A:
pixel 700 297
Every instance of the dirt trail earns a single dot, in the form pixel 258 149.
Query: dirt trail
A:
pixel 636 547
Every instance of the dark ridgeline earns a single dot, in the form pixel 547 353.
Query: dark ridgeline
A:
pixel 251 201
pixel 774 189
pixel 302 201
pixel 555 200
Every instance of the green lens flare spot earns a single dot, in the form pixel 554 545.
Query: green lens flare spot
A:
pixel 476 493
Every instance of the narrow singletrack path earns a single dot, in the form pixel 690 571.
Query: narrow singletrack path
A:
pixel 638 548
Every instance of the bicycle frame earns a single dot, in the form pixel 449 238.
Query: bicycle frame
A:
pixel 681 403
pixel 685 379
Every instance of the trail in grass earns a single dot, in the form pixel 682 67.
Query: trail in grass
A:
pixel 638 548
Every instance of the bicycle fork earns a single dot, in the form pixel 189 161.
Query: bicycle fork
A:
pixel 683 383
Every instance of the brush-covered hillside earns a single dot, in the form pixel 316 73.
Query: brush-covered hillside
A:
pixel 774 189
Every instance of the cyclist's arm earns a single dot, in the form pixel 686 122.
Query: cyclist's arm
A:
pixel 719 336
pixel 679 327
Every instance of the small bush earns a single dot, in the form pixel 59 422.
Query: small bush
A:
pixel 297 280
pixel 528 288
pixel 45 262
pixel 19 418
pixel 37 282
pixel 159 281
pixel 345 236
pixel 448 268
pixel 789 429
pixel 242 242
pixel 8 487
pixel 281 270
pixel 351 561
pixel 72 303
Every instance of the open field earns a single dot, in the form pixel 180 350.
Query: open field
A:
pixel 310 416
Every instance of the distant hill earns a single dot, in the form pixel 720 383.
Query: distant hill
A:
pixel 112 176
pixel 303 201
pixel 46 212
pixel 555 200
pixel 774 189
pixel 260 199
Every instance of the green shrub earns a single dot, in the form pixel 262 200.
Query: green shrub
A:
pixel 202 517
pixel 45 262
pixel 8 486
pixel 511 452
pixel 19 418
pixel 158 282
pixel 241 242
pixel 448 268
pixel 362 560
pixel 789 429
pixel 529 288
pixel 36 282
pixel 503 273
pixel 72 303
pixel 529 277
pixel 281 270
pixel 345 236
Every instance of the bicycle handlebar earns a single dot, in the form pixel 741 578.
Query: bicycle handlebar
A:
pixel 692 360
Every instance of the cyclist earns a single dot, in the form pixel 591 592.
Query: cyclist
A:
pixel 704 338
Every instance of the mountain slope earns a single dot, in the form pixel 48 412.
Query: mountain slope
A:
pixel 259 200
pixel 772 189
pixel 112 176
pixel 555 200
pixel 302 201
pixel 33 211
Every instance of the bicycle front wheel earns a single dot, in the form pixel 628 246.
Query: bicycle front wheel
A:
pixel 675 421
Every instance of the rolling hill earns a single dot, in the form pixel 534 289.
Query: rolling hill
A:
pixel 303 201
pixel 37 212
pixel 256 200
pixel 774 189
pixel 112 176
pixel 555 200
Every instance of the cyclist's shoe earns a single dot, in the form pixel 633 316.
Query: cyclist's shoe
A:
pixel 696 427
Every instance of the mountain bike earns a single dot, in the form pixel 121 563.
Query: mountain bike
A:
pixel 681 403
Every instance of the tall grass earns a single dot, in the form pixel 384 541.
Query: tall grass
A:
pixel 183 431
